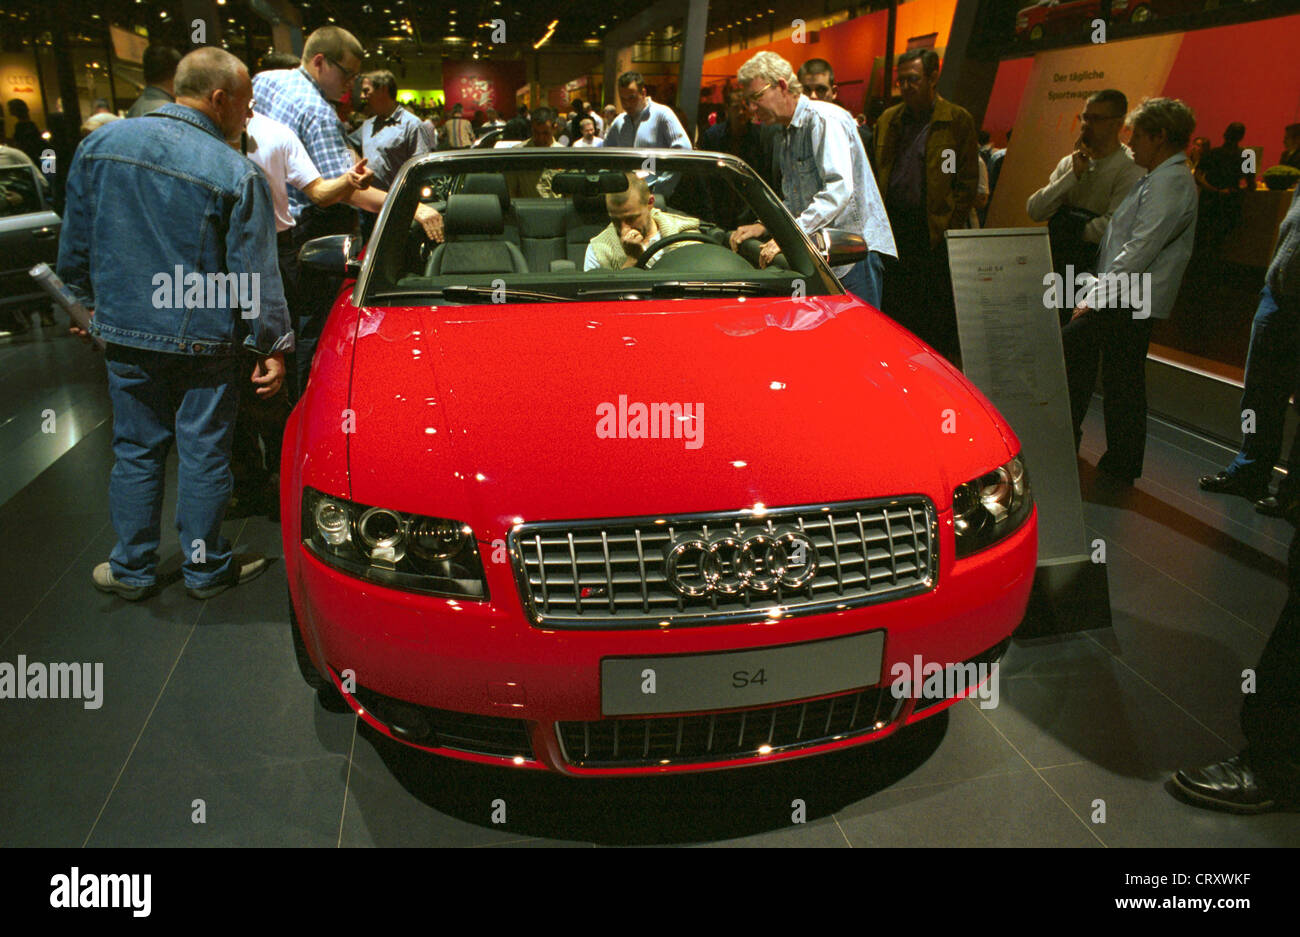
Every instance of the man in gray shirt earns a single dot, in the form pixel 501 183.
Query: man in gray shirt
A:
pixel 1140 267
pixel 390 137
pixel 644 123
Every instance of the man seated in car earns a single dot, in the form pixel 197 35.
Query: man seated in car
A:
pixel 634 225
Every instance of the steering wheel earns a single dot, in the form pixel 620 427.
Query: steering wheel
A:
pixel 678 238
pixel 425 244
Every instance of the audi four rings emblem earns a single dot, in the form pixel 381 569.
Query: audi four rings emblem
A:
pixel 728 562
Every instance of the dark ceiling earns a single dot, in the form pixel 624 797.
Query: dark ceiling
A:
pixel 408 25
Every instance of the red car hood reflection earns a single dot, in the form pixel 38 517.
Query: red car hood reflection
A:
pixel 488 413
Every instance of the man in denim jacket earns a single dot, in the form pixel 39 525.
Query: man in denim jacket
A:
pixel 169 235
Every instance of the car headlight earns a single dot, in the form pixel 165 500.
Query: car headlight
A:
pixel 988 508
pixel 432 555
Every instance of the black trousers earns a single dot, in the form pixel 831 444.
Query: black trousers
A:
pixel 1112 341
pixel 259 428
pixel 315 291
pixel 1270 717
pixel 918 296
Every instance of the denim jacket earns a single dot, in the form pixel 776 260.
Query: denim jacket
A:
pixel 169 235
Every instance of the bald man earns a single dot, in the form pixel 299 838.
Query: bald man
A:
pixel 186 293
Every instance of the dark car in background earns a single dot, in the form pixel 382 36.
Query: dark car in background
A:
pixel 29 234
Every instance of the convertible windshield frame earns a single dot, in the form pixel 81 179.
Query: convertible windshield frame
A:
pixel 375 288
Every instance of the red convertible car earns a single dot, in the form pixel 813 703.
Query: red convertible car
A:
pixel 582 488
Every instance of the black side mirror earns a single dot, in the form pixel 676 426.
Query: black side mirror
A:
pixel 838 247
pixel 335 255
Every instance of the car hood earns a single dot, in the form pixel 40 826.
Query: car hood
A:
pixel 495 413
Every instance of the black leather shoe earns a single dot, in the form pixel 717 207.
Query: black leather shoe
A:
pixel 1287 506
pixel 1229 785
pixel 1269 506
pixel 1224 484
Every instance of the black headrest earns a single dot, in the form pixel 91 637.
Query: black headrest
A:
pixel 474 214
pixel 488 183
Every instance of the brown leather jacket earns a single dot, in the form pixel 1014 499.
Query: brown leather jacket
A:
pixel 948 195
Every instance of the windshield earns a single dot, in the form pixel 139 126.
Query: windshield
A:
pixel 546 225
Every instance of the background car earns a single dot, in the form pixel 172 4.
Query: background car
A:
pixel 689 514
pixel 29 234
pixel 1057 17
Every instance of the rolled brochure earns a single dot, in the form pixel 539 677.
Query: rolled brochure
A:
pixel 59 292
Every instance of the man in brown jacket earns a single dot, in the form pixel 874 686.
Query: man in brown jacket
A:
pixel 927 167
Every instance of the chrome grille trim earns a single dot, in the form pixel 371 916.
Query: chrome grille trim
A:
pixel 868 551
pixel 598 743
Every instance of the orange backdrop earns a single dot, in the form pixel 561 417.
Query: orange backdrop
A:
pixel 1248 72
pixel 851 47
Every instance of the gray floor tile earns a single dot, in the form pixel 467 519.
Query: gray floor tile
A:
pixel 1069 700
pixel 1183 644
pixel 61 759
pixel 822 834
pixel 1015 809
pixel 1141 812
pixel 282 803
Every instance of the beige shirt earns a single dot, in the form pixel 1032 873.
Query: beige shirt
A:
pixel 606 249
pixel 1101 190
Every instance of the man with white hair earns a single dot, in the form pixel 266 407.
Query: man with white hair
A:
pixel 587 134
pixel 200 216
pixel 825 179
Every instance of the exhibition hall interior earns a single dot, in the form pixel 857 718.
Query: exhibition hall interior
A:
pixel 786 424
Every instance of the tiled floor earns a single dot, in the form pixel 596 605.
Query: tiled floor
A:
pixel 205 713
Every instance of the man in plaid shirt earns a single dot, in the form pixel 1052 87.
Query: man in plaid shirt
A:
pixel 300 99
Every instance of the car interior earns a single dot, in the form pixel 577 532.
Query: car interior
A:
pixel 540 243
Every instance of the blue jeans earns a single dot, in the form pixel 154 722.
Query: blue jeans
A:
pixel 1271 376
pixel 866 278
pixel 157 397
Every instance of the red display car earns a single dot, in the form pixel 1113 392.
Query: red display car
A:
pixel 1057 17
pixel 543 510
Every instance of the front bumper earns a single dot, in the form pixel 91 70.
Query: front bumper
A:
pixel 476 681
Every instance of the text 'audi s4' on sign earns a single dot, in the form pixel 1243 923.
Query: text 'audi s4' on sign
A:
pixel 584 486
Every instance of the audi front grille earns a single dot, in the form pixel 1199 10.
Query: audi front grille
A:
pixel 734 566
pixel 674 740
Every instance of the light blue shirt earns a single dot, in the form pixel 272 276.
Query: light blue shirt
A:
pixel 1151 232
pixel 388 142
pixel 655 125
pixel 826 181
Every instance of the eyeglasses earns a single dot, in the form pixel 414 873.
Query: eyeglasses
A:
pixel 347 75
pixel 753 96
pixel 1087 118
pixel 902 80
